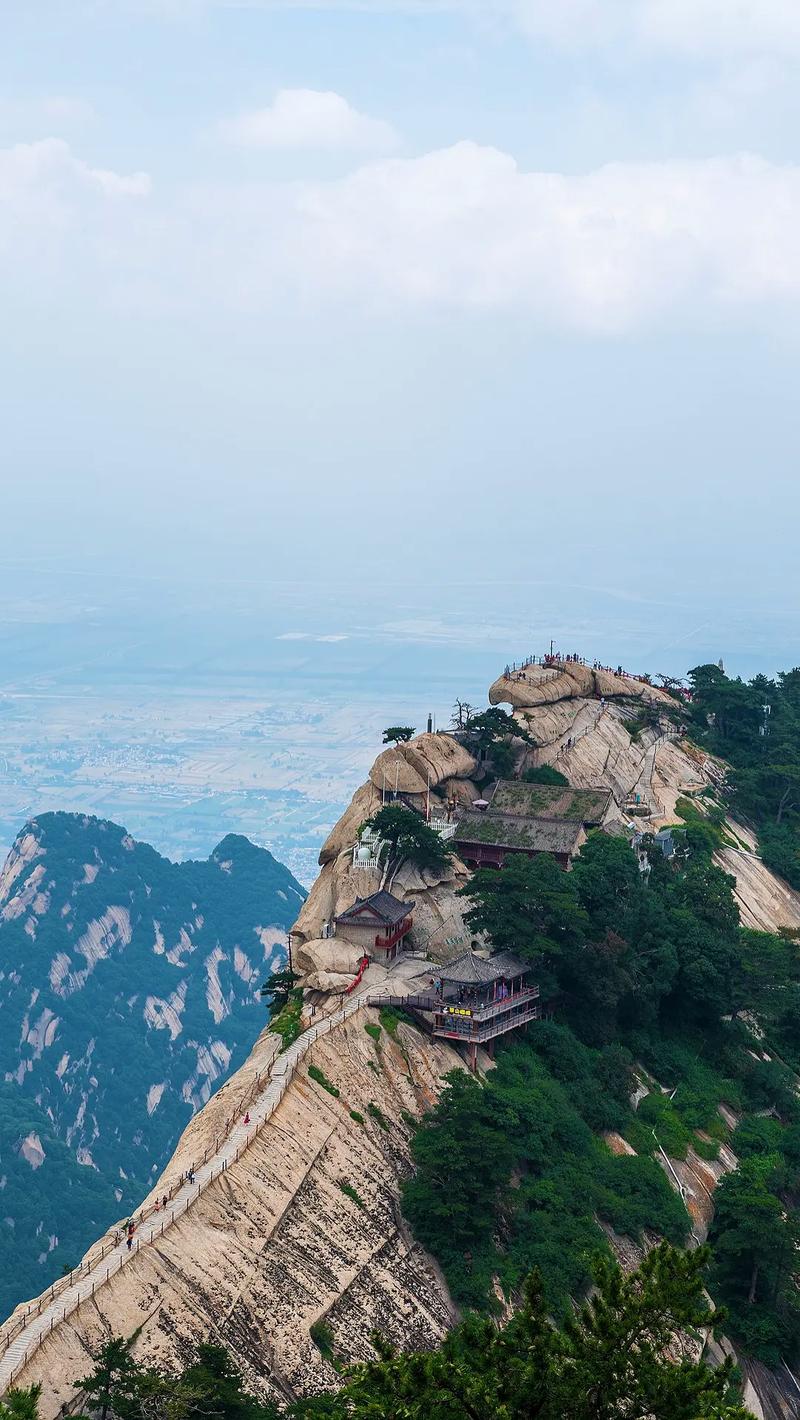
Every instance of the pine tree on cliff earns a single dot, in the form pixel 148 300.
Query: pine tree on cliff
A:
pixel 608 1361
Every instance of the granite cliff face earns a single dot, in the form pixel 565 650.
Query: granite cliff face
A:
pixel 128 990
pixel 277 1241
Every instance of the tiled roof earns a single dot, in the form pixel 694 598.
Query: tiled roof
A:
pixel 471 970
pixel 532 835
pixel 514 796
pixel 385 907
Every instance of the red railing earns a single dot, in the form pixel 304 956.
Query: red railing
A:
pixel 399 932
pixel 362 966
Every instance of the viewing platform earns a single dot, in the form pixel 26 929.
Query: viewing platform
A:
pixel 476 999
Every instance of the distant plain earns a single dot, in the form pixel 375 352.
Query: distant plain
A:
pixel 189 710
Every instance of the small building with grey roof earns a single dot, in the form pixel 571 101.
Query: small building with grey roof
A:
pixel 379 923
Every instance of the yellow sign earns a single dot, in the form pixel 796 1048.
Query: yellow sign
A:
pixel 457 1011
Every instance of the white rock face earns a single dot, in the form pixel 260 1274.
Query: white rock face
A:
pixel 166 1015
pixel 41 1035
pixel 30 897
pixel 218 1004
pixel 275 1245
pixel 32 1151
pixel 26 849
pixel 765 901
pixel 111 930
pixel 154 1096
pixel 183 948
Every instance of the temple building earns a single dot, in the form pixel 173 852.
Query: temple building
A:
pixel 475 999
pixel 379 924
pixel 529 819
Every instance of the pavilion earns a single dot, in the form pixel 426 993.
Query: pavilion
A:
pixel 475 999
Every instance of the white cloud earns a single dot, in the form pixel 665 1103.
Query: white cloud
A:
pixel 616 248
pixel 48 170
pixel 309 118
pixel 62 221
pixel 625 247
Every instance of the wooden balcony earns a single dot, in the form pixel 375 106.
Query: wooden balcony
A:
pixel 474 1023
pixel 479 1032
pixel 459 1020
pixel 396 935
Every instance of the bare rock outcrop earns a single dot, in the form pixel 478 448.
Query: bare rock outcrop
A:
pixel 425 761
pixel 765 901
pixel 435 764
pixel 328 954
pixel 305 1227
pixel 365 802
pixel 536 685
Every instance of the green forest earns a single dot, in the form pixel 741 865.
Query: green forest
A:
pixel 647 976
pixel 82 1089
pixel 755 726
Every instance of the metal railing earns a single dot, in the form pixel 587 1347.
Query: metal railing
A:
pixel 481 1014
pixel 10 1330
pixel 469 1028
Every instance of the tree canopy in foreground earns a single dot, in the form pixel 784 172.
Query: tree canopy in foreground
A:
pixel 610 1360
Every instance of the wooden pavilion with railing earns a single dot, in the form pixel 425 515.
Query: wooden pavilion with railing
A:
pixel 475 999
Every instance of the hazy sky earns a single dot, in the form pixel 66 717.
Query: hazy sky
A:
pixel 413 293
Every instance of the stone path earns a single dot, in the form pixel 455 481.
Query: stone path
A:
pixel 22 1343
pixel 586 720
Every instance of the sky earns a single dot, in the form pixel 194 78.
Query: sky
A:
pixel 407 298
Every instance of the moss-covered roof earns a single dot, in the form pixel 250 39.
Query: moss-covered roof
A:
pixel 532 835
pixel 550 801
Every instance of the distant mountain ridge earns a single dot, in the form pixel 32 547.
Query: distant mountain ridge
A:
pixel 128 989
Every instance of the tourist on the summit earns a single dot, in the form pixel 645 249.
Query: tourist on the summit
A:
pixel 247 1117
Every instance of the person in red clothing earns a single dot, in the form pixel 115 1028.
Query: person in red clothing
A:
pixel 247 1117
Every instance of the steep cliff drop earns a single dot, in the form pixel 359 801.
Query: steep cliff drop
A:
pixel 293 1217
